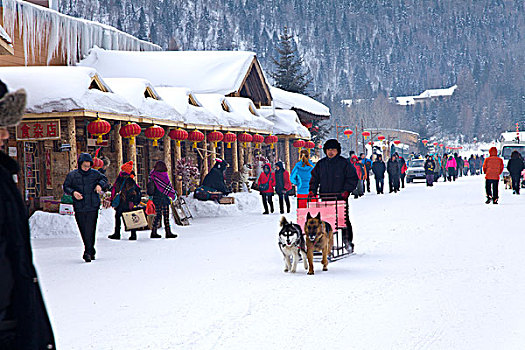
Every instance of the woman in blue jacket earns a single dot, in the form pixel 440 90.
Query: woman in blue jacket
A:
pixel 300 177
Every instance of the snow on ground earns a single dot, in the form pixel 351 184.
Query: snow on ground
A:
pixel 435 268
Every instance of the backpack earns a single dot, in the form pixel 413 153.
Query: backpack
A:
pixel 150 188
pixel 116 200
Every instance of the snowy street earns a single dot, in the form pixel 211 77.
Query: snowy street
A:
pixel 435 268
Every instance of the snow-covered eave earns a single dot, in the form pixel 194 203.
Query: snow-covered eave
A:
pixel 141 119
pixel 6 43
pixel 74 36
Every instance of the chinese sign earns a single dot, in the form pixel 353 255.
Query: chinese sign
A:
pixel 35 130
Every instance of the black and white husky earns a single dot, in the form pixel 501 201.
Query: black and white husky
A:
pixel 292 243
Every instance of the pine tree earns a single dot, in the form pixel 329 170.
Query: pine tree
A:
pixel 290 74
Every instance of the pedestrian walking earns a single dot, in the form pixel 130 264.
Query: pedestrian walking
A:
pixel 379 168
pixel 300 177
pixel 515 166
pixel 129 196
pixel 282 186
pixel 85 185
pixel 466 166
pixel 402 168
pixel 361 174
pixel 266 185
pixel 163 195
pixel 368 169
pixel 24 323
pixel 393 170
pixel 472 165
pixel 451 168
pixel 492 167
pixel 335 176
pixel 430 166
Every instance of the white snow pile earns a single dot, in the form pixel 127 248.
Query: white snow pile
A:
pixel 67 37
pixel 219 72
pixel 287 100
pixel 245 108
pixel 62 89
pixel 285 122
pixel 245 202
pixel 5 36
pixel 48 225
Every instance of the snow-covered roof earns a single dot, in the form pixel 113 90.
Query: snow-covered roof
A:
pixel 142 95
pixel 220 72
pixel 62 89
pixel 511 136
pixel 431 93
pixel 288 100
pixel 66 36
pixel 244 108
pixel 286 122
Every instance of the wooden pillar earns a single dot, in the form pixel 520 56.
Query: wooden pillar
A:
pixel 287 153
pixel 235 157
pixel 222 151
pixel 132 153
pixel 205 158
pixel 118 145
pixel 250 154
pixel 167 155
pixel 213 151
pixel 241 154
pixel 178 155
pixel 276 150
pixel 72 140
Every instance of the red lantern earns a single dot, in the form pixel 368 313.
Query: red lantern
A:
pixel 245 138
pixel 97 163
pixel 98 128
pixel 271 140
pixel 257 139
pixel 299 144
pixel 365 134
pixel 380 137
pixel 178 135
pixel 229 138
pixel 397 142
pixel 215 136
pixel 441 145
pixel 435 143
pixel 308 125
pixel 195 136
pixel 348 132
pixel 154 133
pixel 310 144
pixel 130 131
pixel 424 142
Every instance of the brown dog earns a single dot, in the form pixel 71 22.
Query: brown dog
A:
pixel 508 182
pixel 319 237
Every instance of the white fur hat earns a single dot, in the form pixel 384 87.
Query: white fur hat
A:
pixel 12 108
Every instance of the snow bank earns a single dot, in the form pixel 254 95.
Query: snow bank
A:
pixel 245 202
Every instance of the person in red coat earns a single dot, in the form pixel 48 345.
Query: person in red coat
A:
pixel 282 186
pixel 492 167
pixel 266 184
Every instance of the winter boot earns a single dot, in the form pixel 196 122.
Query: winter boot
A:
pixel 265 205
pixel 495 201
pixel 171 235
pixel 154 234
pixel 86 257
pixel 133 236
pixel 114 236
pixel 488 200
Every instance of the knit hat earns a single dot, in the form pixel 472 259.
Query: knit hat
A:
pixel 332 144
pixel 127 167
pixel 12 106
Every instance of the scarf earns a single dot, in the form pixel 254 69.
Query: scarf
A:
pixel 163 184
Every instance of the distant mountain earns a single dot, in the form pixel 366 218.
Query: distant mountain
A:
pixel 360 49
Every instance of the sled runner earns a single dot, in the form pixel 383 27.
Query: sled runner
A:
pixel 181 212
pixel 335 212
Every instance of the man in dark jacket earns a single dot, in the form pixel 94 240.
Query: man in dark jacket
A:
pixel 24 323
pixel 335 176
pixel 515 166
pixel 394 172
pixel 84 185
pixel 379 168
pixel 472 165
pixel 215 177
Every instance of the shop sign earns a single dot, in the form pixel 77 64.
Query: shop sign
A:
pixel 35 130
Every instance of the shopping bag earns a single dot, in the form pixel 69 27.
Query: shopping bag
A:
pixel 135 220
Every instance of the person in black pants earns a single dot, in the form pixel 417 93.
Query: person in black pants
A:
pixel 129 196
pixel 515 167
pixel 85 186
pixel 379 168
pixel 282 186
pixel 393 170
pixel 335 175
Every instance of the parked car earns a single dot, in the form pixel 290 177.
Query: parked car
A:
pixel 416 170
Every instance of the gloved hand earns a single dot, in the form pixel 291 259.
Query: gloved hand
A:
pixel 345 195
